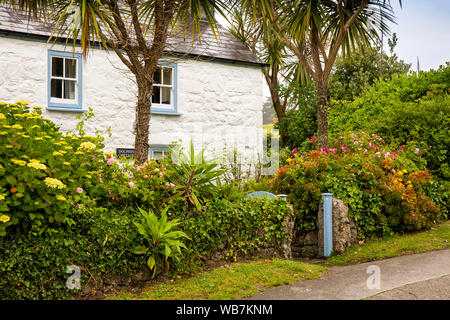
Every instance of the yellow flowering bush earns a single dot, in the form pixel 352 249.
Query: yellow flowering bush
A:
pixel 41 169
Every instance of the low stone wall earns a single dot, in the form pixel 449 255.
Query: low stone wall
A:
pixel 344 228
pixel 310 245
pixel 306 245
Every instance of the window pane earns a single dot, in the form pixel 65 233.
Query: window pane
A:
pixel 156 96
pixel 69 89
pixel 167 76
pixel 158 154
pixel 71 68
pixel 57 66
pixel 56 88
pixel 166 96
pixel 157 76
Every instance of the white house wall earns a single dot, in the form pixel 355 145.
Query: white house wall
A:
pixel 221 103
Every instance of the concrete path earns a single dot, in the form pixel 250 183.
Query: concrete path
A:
pixel 418 276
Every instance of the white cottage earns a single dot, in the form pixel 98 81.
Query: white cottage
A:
pixel 206 91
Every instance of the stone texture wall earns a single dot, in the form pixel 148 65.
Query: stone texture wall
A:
pixel 344 234
pixel 344 228
pixel 221 103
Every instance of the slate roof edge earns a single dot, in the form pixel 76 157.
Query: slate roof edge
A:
pixel 201 57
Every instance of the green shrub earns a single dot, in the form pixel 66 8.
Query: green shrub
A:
pixel 34 267
pixel 242 226
pixel 384 189
pixel 414 108
pixel 162 242
pixel 43 173
pixel 300 121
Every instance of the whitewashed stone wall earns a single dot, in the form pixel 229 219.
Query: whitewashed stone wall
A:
pixel 221 103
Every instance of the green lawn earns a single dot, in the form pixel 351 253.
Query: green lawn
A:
pixel 231 281
pixel 435 239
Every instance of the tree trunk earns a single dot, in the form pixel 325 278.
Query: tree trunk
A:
pixel 322 113
pixel 280 115
pixel 142 124
pixel 272 82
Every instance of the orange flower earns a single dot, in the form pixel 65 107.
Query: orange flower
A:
pixel 13 190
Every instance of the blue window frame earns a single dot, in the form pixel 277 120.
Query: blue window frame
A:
pixel 158 152
pixel 165 89
pixel 65 81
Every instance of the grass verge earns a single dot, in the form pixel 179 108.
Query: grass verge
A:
pixel 398 245
pixel 231 281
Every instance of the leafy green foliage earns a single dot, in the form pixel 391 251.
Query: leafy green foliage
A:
pixel 195 176
pixel 163 243
pixel 352 75
pixel 413 108
pixel 300 122
pixel 99 243
pixel 239 227
pixel 386 190
pixel 98 222
pixel 43 174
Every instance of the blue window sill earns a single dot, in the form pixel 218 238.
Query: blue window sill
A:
pixel 67 109
pixel 165 112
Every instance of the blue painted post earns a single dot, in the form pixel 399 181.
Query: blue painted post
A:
pixel 327 223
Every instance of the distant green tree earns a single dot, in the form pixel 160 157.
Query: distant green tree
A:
pixel 352 75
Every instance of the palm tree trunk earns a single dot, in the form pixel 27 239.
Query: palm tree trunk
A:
pixel 142 124
pixel 322 113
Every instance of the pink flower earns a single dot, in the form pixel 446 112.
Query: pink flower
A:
pixel 378 154
pixel 110 161
pixel 79 190
pixel 131 184
pixel 416 151
pixel 395 154
pixel 170 184
pixel 387 154
pixel 401 148
pixel 313 139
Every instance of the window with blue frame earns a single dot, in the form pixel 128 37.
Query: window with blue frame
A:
pixel 164 97
pixel 159 152
pixel 64 81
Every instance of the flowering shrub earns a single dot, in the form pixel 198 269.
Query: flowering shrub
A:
pixel 125 184
pixel 43 172
pixel 383 186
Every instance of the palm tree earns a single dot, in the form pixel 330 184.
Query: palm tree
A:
pixel 123 26
pixel 262 41
pixel 316 30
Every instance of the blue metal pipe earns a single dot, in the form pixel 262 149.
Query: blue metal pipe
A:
pixel 327 223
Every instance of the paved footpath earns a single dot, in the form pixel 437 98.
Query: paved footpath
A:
pixel 419 276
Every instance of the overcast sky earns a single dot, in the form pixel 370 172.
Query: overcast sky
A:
pixel 423 30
